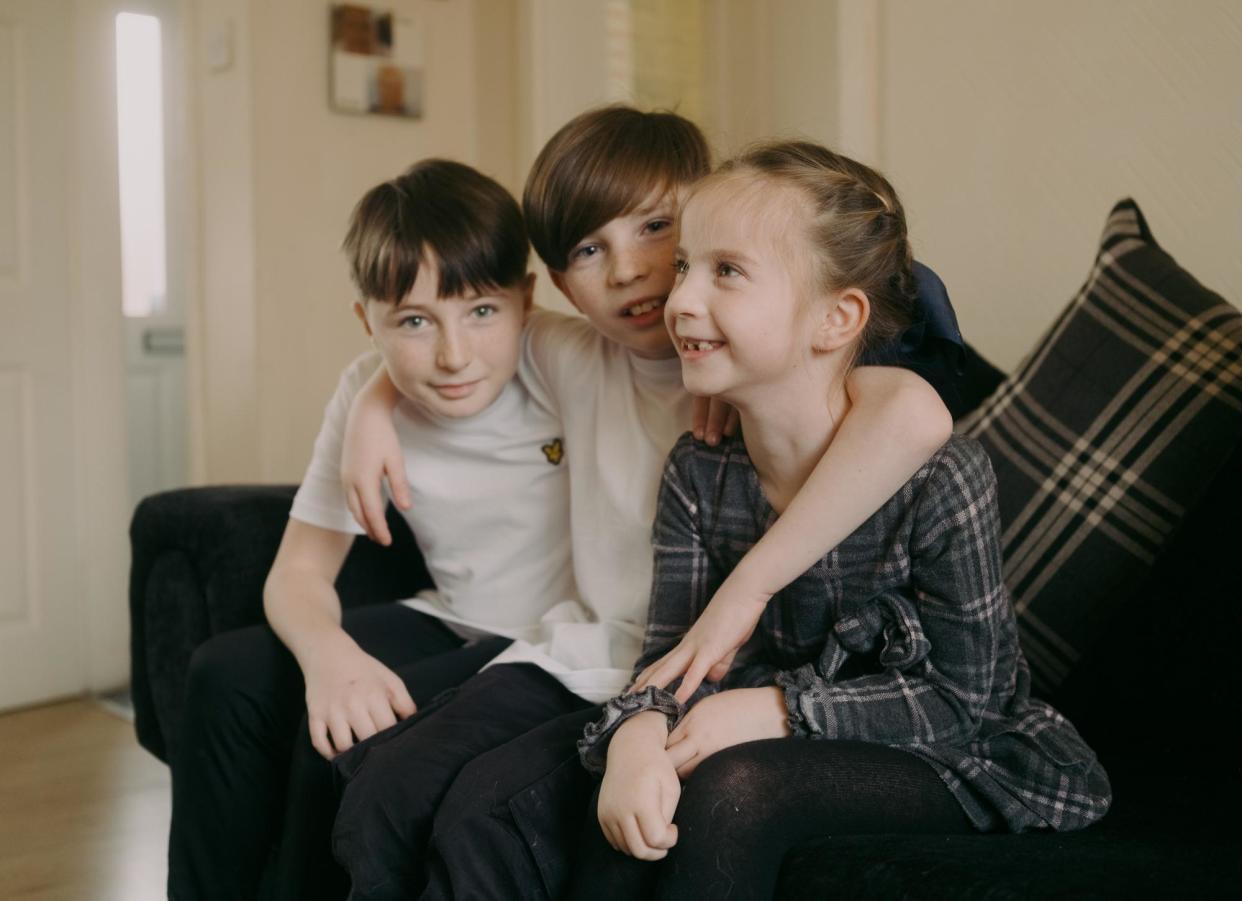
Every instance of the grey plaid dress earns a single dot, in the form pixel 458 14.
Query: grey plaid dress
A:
pixel 904 635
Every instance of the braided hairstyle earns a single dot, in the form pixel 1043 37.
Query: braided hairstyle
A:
pixel 855 225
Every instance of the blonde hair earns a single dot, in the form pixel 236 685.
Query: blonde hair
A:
pixel 855 226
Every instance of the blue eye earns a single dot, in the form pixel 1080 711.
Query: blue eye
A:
pixel 584 252
pixel 484 311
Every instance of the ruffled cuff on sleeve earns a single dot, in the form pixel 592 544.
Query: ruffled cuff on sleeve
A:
pixel 810 713
pixel 593 746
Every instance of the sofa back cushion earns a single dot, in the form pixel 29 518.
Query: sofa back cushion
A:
pixel 1105 436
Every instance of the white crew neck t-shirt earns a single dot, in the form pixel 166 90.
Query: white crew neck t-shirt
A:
pixel 490 506
pixel 620 416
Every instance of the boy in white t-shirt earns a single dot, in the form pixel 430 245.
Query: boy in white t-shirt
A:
pixel 439 256
pixel 601 203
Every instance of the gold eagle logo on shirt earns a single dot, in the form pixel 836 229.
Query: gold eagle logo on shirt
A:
pixel 554 450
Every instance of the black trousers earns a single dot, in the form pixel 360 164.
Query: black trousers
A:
pixel 250 793
pixel 473 797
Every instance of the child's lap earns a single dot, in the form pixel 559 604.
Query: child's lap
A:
pixel 422 755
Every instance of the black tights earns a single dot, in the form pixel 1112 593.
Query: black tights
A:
pixel 745 807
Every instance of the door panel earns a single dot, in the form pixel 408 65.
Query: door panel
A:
pixel 41 639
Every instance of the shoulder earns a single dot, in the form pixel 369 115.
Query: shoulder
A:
pixel 550 335
pixel 356 374
pixel 961 457
pixel 694 457
pixel 957 484
pixel 704 472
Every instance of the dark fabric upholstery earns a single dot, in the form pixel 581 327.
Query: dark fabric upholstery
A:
pixel 1098 863
pixel 199 560
pixel 1106 434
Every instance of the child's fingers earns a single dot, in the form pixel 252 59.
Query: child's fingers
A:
pixel 342 737
pixel 373 509
pixel 319 738
pixel 655 830
pixel 694 678
pixel 717 415
pixel 355 508
pixel 670 794
pixel 721 668
pixel 686 770
pixel 666 669
pixel 360 722
pixel 731 421
pixel 399 697
pixel 681 753
pixel 382 714
pixel 397 483
pixel 635 845
pixel 699 407
pixel 609 829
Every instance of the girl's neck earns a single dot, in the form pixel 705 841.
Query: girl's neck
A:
pixel 787 432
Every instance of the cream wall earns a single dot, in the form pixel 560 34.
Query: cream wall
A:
pixel 1010 128
pixel 279 173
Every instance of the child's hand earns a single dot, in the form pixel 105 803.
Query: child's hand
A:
pixel 640 791
pixel 708 648
pixel 723 720
pixel 710 418
pixel 350 694
pixel 370 451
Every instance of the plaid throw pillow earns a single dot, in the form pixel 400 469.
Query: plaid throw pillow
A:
pixel 1105 436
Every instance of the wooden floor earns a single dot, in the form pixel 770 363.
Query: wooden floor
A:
pixel 83 810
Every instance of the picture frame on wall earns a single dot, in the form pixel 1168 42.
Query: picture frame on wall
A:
pixel 377 62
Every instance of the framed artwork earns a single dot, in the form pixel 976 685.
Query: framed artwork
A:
pixel 377 62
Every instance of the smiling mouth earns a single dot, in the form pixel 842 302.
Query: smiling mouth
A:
pixel 642 309
pixel 689 345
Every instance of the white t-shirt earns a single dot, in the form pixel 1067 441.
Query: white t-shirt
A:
pixel 621 415
pixel 490 505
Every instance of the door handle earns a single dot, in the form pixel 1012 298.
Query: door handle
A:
pixel 163 342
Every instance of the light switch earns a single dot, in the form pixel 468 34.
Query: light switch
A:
pixel 220 47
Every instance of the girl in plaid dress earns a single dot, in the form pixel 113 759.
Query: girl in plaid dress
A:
pixel 896 653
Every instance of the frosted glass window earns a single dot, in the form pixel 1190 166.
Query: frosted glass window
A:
pixel 140 154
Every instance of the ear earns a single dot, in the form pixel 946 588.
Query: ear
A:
pixel 360 311
pixel 843 322
pixel 558 279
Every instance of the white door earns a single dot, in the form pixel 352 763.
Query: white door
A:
pixel 62 516
pixel 154 201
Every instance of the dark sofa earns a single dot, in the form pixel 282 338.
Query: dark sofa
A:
pixel 1118 449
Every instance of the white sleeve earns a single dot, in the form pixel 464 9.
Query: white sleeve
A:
pixel 556 350
pixel 320 500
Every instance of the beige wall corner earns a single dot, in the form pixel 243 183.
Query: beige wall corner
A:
pixel 1011 128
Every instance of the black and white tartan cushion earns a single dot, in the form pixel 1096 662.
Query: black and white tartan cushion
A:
pixel 1105 436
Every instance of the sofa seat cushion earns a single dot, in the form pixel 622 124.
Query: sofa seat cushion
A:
pixel 1097 863
pixel 1105 436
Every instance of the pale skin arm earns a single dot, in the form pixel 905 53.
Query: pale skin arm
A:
pixel 895 423
pixel 349 694
pixel 370 451
pixel 640 791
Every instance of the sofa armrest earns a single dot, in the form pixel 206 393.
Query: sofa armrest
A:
pixel 200 557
